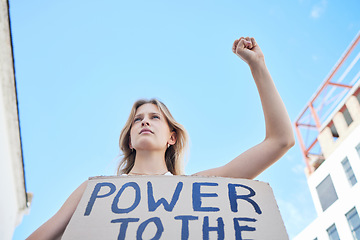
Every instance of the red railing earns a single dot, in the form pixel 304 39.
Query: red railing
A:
pixel 310 113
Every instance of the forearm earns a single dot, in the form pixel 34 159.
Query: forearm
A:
pixel 277 121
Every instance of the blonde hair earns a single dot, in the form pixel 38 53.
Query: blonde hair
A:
pixel 174 155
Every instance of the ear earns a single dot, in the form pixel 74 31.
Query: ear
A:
pixel 172 139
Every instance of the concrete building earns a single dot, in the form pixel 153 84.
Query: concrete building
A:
pixel 14 201
pixel 328 131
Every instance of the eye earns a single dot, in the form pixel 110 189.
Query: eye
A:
pixel 155 116
pixel 136 120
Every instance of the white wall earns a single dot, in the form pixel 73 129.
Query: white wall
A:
pixel 348 196
pixel 12 186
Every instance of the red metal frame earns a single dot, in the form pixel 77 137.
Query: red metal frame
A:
pixel 310 106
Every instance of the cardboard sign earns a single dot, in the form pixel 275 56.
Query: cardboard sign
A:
pixel 176 207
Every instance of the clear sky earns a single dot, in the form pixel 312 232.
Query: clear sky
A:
pixel 80 65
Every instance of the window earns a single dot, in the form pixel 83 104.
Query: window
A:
pixel 358 149
pixel 326 192
pixel 347 116
pixel 332 232
pixel 349 172
pixel 354 223
pixel 333 131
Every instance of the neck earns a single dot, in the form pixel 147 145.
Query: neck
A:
pixel 149 163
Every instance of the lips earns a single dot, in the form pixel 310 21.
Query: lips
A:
pixel 145 130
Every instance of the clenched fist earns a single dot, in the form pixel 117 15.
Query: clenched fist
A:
pixel 248 50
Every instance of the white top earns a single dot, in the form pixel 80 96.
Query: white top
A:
pixel 167 173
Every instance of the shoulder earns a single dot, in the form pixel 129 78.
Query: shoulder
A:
pixel 79 191
pixel 68 208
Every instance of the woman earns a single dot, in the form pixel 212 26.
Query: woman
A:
pixel 153 143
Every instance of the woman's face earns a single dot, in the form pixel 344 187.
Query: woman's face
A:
pixel 150 130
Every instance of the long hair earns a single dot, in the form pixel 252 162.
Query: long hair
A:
pixel 174 155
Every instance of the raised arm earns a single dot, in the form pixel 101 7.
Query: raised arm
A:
pixel 55 226
pixel 279 134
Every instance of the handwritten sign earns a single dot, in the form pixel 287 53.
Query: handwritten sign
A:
pixel 176 207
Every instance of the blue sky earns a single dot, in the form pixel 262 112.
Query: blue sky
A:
pixel 80 65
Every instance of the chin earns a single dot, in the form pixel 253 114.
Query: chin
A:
pixel 147 146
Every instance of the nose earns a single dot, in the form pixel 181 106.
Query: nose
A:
pixel 145 122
